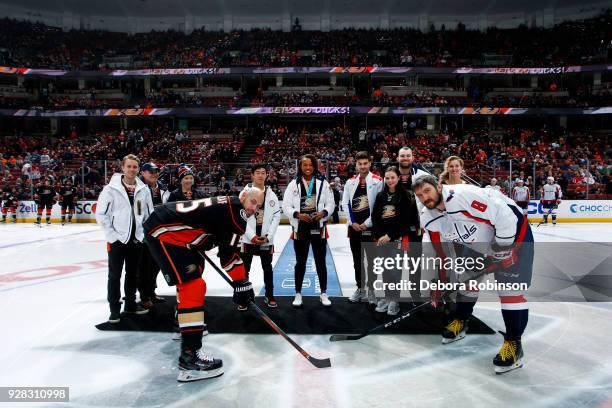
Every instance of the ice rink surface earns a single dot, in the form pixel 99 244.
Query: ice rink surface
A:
pixel 53 292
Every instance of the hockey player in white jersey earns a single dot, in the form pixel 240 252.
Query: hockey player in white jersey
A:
pixel 494 185
pixel 550 199
pixel 486 222
pixel 521 195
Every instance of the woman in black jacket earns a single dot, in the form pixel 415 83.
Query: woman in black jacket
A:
pixel 186 190
pixel 395 223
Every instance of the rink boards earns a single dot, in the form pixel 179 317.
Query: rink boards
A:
pixel 568 211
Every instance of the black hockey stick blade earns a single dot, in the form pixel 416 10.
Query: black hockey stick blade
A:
pixel 319 362
pixel 342 337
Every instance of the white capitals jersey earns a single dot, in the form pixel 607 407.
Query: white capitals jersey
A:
pixel 473 215
pixel 520 194
pixel 495 187
pixel 551 192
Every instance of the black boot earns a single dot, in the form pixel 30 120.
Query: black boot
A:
pixel 115 315
pixel 134 308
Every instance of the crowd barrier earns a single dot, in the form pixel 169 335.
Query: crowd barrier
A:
pixel 568 211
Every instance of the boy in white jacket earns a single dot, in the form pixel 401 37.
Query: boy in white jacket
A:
pixel 308 202
pixel 258 239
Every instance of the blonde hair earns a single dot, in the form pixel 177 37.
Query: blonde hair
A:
pixel 453 158
pixel 445 175
pixel 130 157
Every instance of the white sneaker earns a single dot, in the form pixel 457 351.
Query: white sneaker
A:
pixel 357 296
pixel 297 302
pixel 371 299
pixel 325 299
pixel 393 308
pixel 382 306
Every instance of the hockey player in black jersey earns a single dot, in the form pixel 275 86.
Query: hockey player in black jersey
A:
pixel 175 233
pixel 9 203
pixel 44 199
pixel 68 199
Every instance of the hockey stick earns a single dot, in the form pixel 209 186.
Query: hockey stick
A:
pixel 317 362
pixel 341 337
pixel 547 214
pixel 469 179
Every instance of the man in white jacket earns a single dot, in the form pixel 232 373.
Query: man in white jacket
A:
pixel 308 202
pixel 124 204
pixel 358 201
pixel 258 238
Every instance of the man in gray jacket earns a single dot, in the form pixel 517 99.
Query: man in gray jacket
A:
pixel 124 204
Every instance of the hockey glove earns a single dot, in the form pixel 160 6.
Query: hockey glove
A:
pixel 243 293
pixel 503 256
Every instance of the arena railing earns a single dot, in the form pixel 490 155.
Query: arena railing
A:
pixel 585 180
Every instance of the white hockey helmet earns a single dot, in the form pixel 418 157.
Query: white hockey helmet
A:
pixel 550 179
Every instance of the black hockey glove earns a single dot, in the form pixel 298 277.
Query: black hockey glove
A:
pixel 243 293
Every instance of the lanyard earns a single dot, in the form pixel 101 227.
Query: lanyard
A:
pixel 310 187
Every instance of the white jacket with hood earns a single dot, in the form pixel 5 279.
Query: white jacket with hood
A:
pixel 324 201
pixel 115 214
pixel 272 215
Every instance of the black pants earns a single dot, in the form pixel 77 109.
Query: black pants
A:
pixel 355 240
pixel 118 254
pixel 336 216
pixel 266 263
pixel 66 207
pixel 46 205
pixel 319 249
pixel 147 274
pixel 391 250
pixel 394 275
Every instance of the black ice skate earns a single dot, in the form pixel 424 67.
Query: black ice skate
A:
pixel 510 357
pixel 195 365
pixel 454 331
